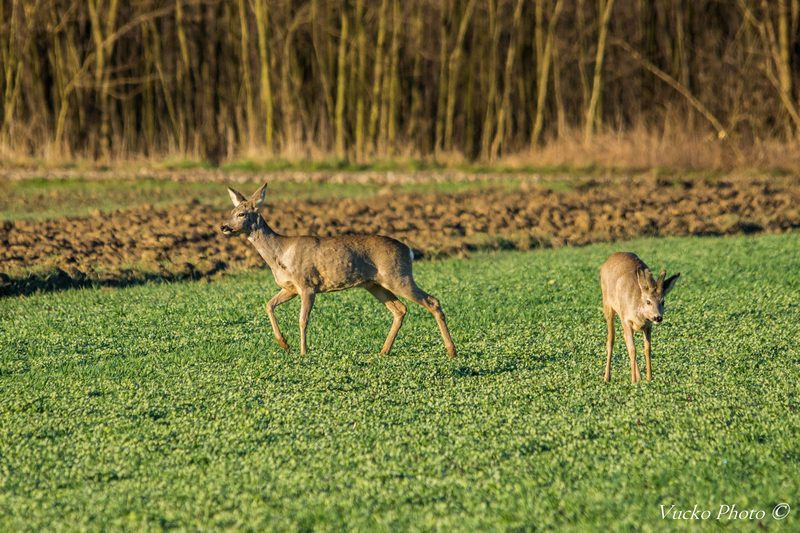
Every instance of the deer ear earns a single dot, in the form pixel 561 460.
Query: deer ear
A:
pixel 259 195
pixel 643 277
pixel 670 283
pixel 660 280
pixel 236 197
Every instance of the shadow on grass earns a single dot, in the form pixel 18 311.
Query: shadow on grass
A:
pixel 469 372
pixel 59 279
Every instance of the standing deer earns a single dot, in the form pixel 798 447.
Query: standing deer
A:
pixel 630 291
pixel 309 265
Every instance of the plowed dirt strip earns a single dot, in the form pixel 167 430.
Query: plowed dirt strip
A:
pixel 183 241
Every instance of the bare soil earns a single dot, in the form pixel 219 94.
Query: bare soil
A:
pixel 183 241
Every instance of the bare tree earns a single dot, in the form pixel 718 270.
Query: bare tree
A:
pixel 103 78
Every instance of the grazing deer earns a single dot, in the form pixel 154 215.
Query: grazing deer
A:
pixel 308 265
pixel 630 291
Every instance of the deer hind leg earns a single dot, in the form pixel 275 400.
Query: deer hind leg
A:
pixel 282 297
pixel 609 313
pixel 628 333
pixel 409 289
pixel 306 303
pixel 397 308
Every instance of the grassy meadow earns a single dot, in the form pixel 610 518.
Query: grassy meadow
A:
pixel 42 198
pixel 171 405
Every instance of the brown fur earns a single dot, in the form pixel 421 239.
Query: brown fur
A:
pixel 307 265
pixel 630 291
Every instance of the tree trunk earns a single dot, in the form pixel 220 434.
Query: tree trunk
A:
pixel 784 55
pixel 416 98
pixel 394 83
pixel 262 23
pixel 597 82
pixel 377 79
pixel 341 78
pixel 248 87
pixel 561 120
pixel 491 96
pixel 184 107
pixel 580 17
pixel 505 105
pixel 454 65
pixel 103 51
pixel 442 96
pixel 11 71
pixel 361 42
pixel 319 44
pixel 544 73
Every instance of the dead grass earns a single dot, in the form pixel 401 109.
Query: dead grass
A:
pixel 635 150
pixel 677 150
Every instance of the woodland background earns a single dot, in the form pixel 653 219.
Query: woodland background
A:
pixel 682 82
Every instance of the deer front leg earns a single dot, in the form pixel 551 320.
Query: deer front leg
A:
pixel 648 330
pixel 628 334
pixel 306 303
pixel 609 341
pixel 282 297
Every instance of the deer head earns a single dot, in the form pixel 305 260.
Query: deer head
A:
pixel 651 305
pixel 246 212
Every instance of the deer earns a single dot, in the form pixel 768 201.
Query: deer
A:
pixel 629 291
pixel 308 265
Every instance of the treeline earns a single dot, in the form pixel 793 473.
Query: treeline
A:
pixel 360 79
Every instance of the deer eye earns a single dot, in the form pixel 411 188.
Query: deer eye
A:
pixel 649 302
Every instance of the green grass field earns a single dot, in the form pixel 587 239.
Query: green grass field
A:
pixel 171 404
pixel 41 198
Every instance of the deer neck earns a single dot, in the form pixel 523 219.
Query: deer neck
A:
pixel 267 242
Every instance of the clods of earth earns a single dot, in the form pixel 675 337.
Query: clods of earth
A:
pixel 183 241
